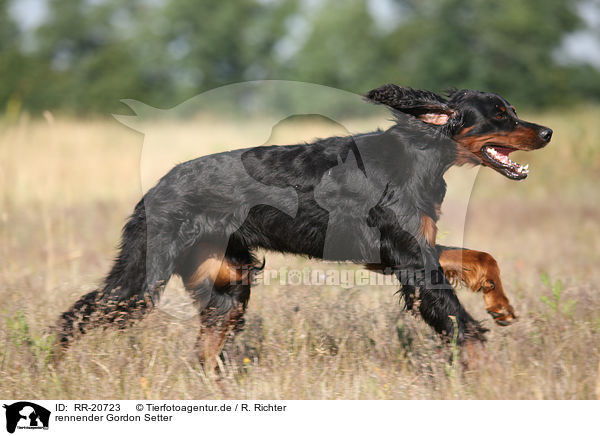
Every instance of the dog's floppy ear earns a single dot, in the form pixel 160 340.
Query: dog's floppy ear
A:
pixel 425 105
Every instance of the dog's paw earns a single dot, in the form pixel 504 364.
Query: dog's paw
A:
pixel 474 355
pixel 504 315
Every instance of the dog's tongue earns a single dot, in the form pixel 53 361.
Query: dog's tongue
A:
pixel 501 154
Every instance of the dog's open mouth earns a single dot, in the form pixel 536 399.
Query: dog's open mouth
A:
pixel 497 157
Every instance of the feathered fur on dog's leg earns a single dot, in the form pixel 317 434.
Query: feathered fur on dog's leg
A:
pixel 426 291
pixel 130 290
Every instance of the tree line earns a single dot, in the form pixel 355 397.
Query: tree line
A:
pixel 86 55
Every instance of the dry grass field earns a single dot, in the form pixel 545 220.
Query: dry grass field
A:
pixel 67 186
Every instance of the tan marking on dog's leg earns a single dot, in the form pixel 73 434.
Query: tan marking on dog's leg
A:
pixel 211 339
pixel 479 271
pixel 209 345
pixel 428 230
pixel 219 271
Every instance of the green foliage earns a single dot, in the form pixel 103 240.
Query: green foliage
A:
pixel 10 59
pixel 452 368
pixel 19 334
pixel 342 50
pixel 18 329
pixel 405 339
pixel 86 56
pixel 555 302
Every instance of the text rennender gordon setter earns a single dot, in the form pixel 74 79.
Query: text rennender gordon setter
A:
pixel 185 224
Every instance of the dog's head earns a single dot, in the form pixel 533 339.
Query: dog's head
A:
pixel 485 126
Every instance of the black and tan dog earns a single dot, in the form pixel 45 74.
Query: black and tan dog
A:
pixel 204 219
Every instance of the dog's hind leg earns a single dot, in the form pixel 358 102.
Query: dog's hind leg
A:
pixel 220 287
pixel 133 286
pixel 223 316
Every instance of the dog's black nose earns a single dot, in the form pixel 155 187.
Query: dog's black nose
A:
pixel 546 134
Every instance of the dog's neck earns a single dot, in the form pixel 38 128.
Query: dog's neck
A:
pixel 410 161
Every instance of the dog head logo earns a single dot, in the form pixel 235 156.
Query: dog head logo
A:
pixel 26 415
pixel 228 109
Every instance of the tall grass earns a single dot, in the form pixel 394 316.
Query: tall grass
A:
pixel 67 187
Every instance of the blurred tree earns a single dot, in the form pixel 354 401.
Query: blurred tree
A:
pixel 88 54
pixel 9 32
pixel 90 47
pixel 159 52
pixel 12 62
pixel 343 48
pixel 208 45
pixel 507 47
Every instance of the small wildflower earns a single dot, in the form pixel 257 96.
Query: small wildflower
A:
pixel 144 383
pixel 246 361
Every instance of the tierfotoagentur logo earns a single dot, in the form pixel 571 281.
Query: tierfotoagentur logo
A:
pixel 24 415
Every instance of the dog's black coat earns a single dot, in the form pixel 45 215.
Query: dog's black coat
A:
pixel 210 201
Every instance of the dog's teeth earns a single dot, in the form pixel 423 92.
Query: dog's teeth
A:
pixel 526 167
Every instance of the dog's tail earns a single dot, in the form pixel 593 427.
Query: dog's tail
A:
pixel 130 290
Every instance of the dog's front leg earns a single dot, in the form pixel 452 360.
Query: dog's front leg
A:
pixel 479 271
pixel 426 290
